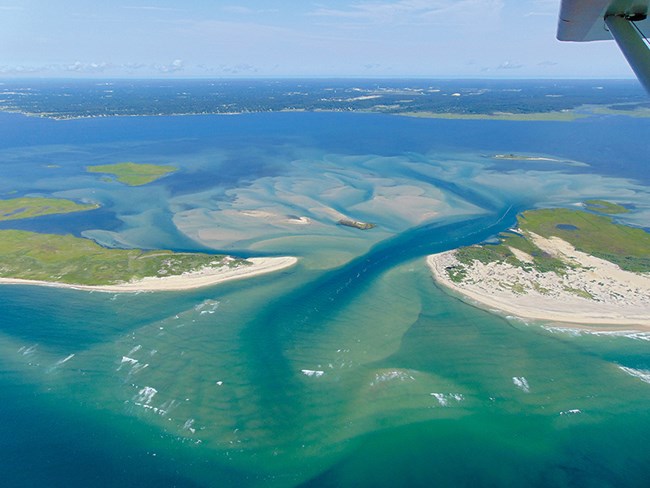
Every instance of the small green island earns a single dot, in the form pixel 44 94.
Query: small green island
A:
pixel 77 261
pixel 605 207
pixel 133 174
pixel 559 264
pixel 30 207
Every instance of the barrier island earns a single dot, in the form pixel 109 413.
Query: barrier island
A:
pixel 68 261
pixel 133 174
pixel 30 207
pixel 559 264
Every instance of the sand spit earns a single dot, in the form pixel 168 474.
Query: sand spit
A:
pixel 186 281
pixel 593 292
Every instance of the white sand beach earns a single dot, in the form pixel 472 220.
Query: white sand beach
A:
pixel 593 292
pixel 186 281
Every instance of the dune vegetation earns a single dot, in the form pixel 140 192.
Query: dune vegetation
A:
pixel 73 260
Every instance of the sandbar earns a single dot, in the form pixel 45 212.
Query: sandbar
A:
pixel 185 281
pixel 616 297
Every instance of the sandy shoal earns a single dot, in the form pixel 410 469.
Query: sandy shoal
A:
pixel 621 298
pixel 186 281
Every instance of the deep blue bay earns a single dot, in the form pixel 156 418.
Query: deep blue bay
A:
pixel 350 369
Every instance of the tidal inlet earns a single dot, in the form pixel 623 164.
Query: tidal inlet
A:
pixel 351 367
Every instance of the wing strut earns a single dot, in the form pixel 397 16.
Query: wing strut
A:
pixel 598 20
pixel 633 46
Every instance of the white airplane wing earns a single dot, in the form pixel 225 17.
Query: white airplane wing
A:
pixel 626 21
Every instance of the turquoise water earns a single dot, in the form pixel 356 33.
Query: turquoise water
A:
pixel 350 369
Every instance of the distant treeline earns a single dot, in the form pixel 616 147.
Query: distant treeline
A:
pixel 93 98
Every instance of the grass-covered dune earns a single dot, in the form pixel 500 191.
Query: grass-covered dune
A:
pixel 29 207
pixel 560 265
pixel 76 261
pixel 133 174
pixel 597 235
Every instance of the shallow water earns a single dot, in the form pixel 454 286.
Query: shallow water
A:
pixel 351 368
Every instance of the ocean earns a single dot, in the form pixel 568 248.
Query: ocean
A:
pixel 352 368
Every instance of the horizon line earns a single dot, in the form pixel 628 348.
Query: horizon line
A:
pixel 302 78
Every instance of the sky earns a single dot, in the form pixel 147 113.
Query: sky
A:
pixel 295 38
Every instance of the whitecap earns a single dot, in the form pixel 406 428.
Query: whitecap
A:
pixel 136 368
pixel 571 412
pixel 445 398
pixel 521 383
pixel 576 332
pixel 127 360
pixel 64 360
pixel 188 425
pixel 311 372
pixel 442 400
pixel 146 394
pixel 642 374
pixel 207 307
pixel 167 406
pixel 29 350
pixel 392 375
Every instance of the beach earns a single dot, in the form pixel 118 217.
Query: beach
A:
pixel 186 281
pixel 592 292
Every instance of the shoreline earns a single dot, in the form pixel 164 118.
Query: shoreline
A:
pixel 187 281
pixel 486 291
pixel 565 115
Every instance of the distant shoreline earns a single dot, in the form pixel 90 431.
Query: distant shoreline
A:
pixel 48 115
pixel 564 115
pixel 186 281
pixel 568 116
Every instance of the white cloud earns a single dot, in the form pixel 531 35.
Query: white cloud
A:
pixel 80 67
pixel 21 70
pixel 510 65
pixel 134 66
pixel 414 11
pixel 173 67
pixel 76 67
pixel 238 69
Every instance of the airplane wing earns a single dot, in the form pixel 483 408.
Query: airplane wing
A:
pixel 625 21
